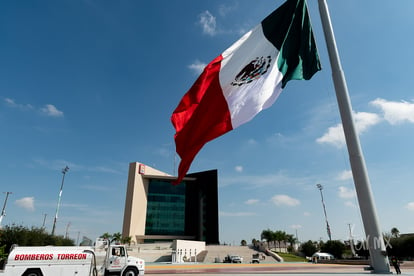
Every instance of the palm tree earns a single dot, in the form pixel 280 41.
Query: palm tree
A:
pixel 267 235
pixel 126 240
pixel 106 236
pixel 116 237
pixel 291 240
pixel 280 236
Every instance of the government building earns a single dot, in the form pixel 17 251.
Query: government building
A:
pixel 157 210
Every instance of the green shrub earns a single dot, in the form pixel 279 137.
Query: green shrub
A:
pixel 23 236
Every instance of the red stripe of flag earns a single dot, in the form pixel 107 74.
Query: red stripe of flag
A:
pixel 201 116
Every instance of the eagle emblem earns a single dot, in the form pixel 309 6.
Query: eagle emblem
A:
pixel 252 71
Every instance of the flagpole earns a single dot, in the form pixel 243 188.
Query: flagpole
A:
pixel 374 238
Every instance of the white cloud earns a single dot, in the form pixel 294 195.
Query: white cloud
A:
pixel 307 214
pixel 48 109
pixel 345 175
pixel 335 135
pixel 395 112
pixel 410 206
pixel 12 103
pixel 251 201
pixel 26 203
pixel 285 200
pixel 238 168
pixel 344 192
pixel 51 110
pixel 208 23
pixel 364 120
pixel 197 67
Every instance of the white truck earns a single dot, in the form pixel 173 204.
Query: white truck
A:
pixel 70 261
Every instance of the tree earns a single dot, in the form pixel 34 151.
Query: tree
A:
pixel 3 255
pixel 402 247
pixel 292 241
pixel 334 247
pixel 280 236
pixel 243 243
pixel 267 235
pixel 23 236
pixel 106 236
pixel 407 245
pixel 126 240
pixel 308 248
pixel 361 249
pixel 117 237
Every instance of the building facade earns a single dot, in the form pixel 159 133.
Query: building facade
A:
pixel 156 210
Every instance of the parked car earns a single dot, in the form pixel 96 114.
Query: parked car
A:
pixel 236 259
pixel 233 259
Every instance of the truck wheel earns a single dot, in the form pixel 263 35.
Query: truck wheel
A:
pixel 130 271
pixel 33 272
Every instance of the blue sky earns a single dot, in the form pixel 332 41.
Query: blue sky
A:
pixel 92 85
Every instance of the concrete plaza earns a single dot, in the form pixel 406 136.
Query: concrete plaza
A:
pixel 266 269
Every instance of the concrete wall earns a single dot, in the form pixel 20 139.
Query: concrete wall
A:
pixel 136 199
pixel 184 251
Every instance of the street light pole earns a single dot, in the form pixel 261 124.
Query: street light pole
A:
pixel 64 171
pixel 328 229
pixel 67 230
pixel 3 211
pixel 44 221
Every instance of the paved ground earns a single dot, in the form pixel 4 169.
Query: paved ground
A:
pixel 263 269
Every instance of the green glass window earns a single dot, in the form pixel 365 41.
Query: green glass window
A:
pixel 165 208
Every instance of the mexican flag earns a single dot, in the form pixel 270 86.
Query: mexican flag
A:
pixel 245 79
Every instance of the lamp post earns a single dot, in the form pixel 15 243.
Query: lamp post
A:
pixel 64 171
pixel 44 221
pixel 67 230
pixel 3 211
pixel 328 229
